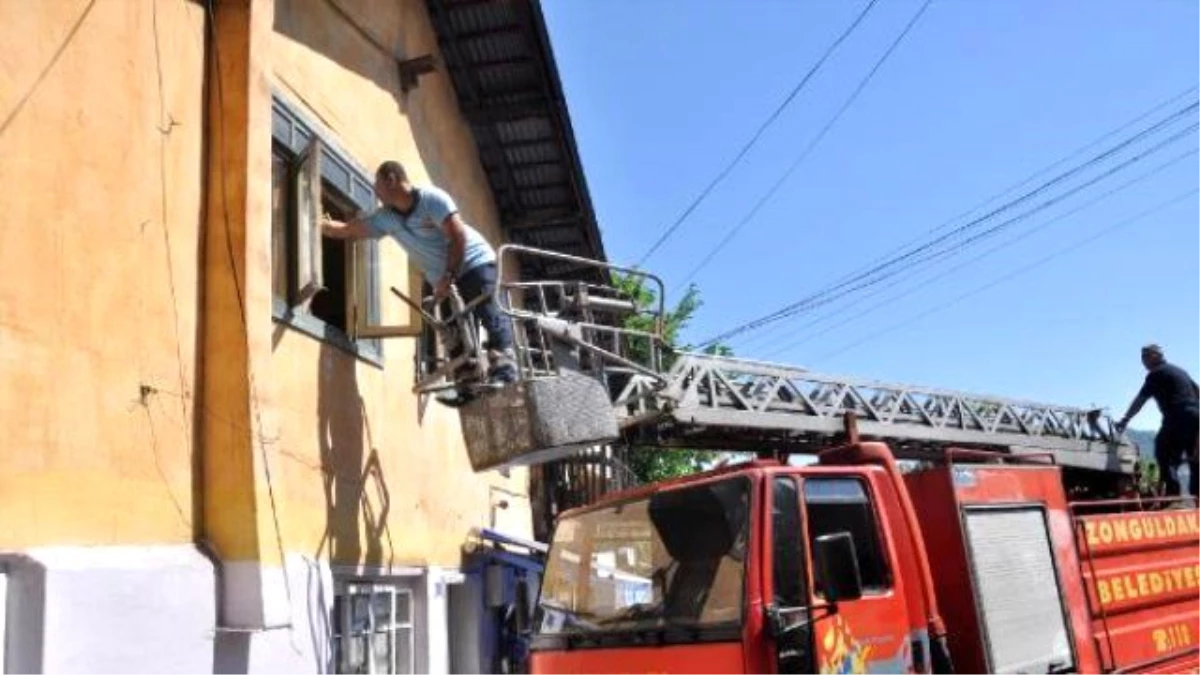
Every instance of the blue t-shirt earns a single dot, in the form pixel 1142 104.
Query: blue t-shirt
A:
pixel 421 235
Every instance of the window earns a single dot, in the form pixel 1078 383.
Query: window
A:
pixel 785 542
pixel 373 629
pixel 841 505
pixel 675 559
pixel 326 287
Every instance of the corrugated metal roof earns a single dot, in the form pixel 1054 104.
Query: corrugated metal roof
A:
pixel 499 57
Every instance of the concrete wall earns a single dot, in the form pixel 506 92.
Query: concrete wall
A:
pixel 146 609
pixel 101 120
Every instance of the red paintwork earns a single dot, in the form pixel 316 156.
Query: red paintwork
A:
pixel 919 523
pixel 940 501
pixel 875 630
pixel 701 658
pixel 1143 583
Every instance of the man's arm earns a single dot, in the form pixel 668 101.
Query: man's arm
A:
pixel 1136 406
pixel 356 228
pixel 455 232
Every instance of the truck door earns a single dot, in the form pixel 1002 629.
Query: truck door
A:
pixel 870 632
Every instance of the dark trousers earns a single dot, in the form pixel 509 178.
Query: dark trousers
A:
pixel 471 284
pixel 1176 439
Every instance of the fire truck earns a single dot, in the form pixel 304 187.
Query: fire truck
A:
pixel 878 527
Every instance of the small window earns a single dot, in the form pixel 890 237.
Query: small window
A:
pixel 325 287
pixel 373 629
pixel 785 541
pixel 841 505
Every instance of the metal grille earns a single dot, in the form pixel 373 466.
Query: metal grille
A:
pixel 1017 590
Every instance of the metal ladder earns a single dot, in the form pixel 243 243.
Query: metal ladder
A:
pixel 686 400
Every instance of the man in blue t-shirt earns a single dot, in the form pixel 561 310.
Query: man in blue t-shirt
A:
pixel 1178 399
pixel 427 225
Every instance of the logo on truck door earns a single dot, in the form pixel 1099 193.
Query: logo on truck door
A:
pixel 841 652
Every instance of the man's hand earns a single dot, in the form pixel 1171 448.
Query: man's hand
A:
pixel 1120 426
pixel 442 290
pixel 354 229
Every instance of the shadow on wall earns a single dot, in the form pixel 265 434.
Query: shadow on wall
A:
pixel 365 45
pixel 357 501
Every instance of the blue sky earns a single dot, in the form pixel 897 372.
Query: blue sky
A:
pixel 979 96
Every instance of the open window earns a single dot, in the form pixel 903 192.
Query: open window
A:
pixel 327 288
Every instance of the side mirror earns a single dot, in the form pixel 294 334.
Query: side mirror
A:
pixel 837 567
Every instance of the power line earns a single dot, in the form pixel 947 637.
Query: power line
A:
pixel 757 134
pixel 1029 179
pixel 809 148
pixel 808 302
pixel 1017 272
pixel 777 347
pixel 1004 225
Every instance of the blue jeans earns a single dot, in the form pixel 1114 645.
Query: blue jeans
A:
pixel 481 280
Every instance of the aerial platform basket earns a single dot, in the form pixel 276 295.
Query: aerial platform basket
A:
pixel 572 351
pixel 537 420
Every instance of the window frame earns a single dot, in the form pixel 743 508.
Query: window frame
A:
pixel 881 542
pixel 341 632
pixel 801 543
pixel 295 138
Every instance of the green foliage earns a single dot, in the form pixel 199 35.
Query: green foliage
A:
pixel 651 465
pixel 1148 474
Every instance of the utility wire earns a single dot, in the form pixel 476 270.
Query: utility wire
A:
pixel 777 347
pixel 808 302
pixel 987 202
pixel 1004 225
pixel 662 239
pixel 808 149
pixel 1017 272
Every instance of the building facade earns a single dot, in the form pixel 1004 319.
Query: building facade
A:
pixel 209 467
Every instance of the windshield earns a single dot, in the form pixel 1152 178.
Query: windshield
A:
pixel 674 559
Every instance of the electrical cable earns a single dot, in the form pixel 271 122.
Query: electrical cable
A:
pixel 1014 274
pixel 768 332
pixel 729 236
pixel 662 239
pixel 821 296
pixel 777 347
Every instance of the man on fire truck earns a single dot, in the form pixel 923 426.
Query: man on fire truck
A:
pixel 1178 400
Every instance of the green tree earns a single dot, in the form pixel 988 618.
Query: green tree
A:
pixel 649 464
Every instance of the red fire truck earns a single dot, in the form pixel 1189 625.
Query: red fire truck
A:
pixel 974 563
pixel 936 531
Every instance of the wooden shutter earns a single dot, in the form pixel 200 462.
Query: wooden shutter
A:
pixel 309 268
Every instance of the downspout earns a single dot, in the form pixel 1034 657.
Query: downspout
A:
pixel 878 454
pixel 199 441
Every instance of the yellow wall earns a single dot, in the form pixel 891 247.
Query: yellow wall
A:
pixel 99 258
pixel 368 477
pixel 120 307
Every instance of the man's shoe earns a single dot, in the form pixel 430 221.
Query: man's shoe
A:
pixel 502 375
pixel 503 368
pixel 455 398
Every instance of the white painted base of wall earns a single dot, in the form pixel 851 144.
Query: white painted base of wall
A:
pixel 110 609
pixel 154 609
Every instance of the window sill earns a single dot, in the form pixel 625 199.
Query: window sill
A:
pixel 369 351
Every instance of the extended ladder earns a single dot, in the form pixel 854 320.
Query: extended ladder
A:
pixel 595 370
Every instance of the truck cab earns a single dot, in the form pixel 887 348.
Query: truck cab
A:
pixel 847 566
pixel 763 567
